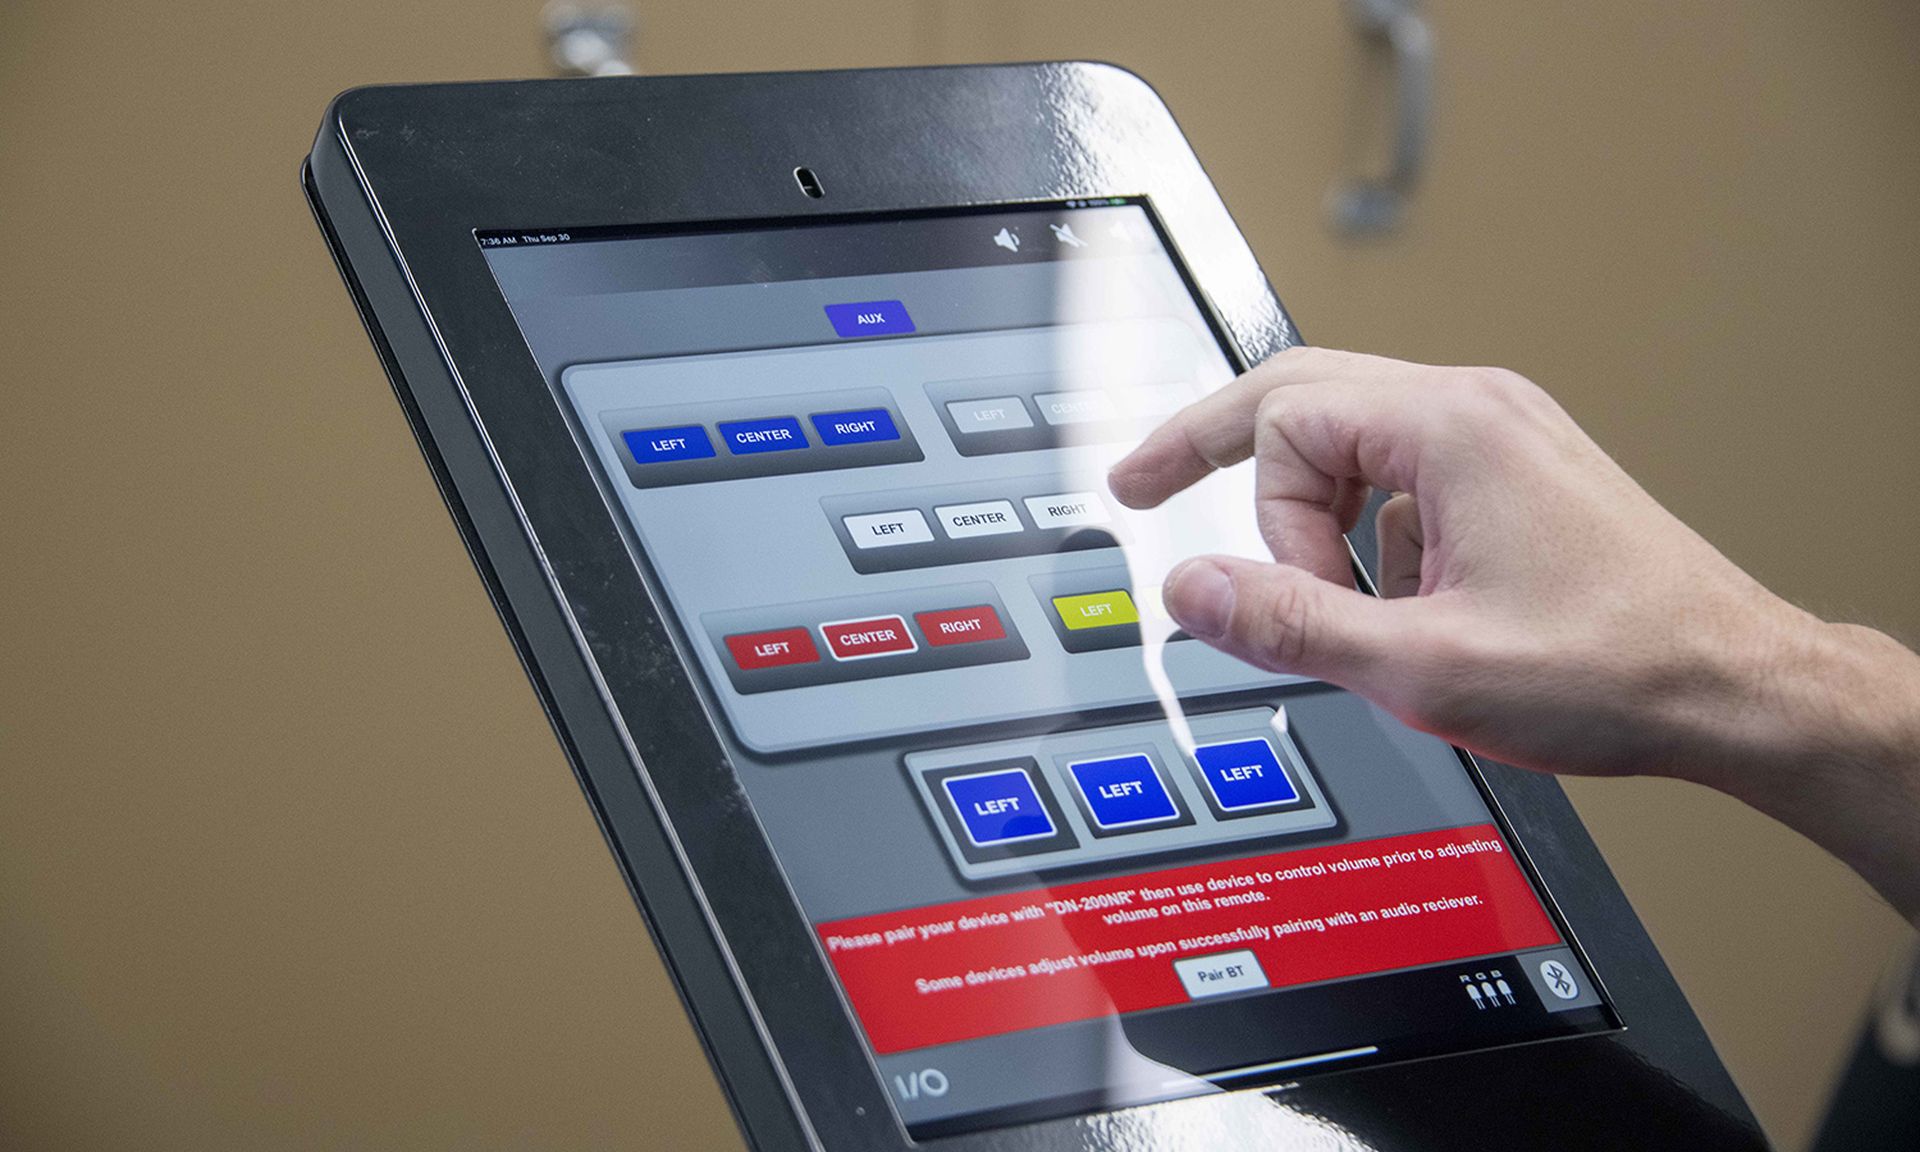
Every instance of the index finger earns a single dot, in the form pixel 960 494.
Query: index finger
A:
pixel 1217 431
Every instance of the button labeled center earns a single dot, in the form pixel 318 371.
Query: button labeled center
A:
pixel 985 518
pixel 860 639
pixel 773 434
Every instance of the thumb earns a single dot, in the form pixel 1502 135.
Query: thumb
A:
pixel 1282 618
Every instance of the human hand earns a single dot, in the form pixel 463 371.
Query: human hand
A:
pixel 1539 606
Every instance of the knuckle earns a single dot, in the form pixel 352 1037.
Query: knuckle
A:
pixel 1286 625
pixel 1498 387
pixel 1275 408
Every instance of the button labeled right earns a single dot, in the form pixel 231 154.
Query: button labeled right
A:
pixel 1067 510
pixel 1244 774
pixel 961 625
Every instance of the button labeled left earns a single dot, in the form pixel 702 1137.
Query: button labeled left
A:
pixel 777 649
pixel 1244 774
pixel 661 445
pixel 1096 610
pixel 1123 791
pixel 999 807
pixel 888 529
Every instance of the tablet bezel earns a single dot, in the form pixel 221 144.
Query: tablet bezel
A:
pixel 402 178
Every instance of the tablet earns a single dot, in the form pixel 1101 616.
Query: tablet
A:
pixel 777 411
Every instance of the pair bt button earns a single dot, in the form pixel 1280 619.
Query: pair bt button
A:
pixel 1003 804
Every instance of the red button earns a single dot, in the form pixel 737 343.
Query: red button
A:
pixel 960 625
pixel 881 636
pixel 754 650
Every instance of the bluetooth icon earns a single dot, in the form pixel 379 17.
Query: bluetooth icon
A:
pixel 1559 979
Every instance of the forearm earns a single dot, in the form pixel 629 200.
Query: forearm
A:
pixel 1826 739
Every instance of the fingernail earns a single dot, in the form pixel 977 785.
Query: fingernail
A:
pixel 1199 597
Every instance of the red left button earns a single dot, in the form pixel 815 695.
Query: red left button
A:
pixel 755 650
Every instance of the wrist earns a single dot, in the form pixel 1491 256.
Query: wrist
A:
pixel 1820 729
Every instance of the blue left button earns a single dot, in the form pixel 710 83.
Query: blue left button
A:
pixel 1244 774
pixel 870 318
pixel 660 445
pixel 774 434
pixel 865 426
pixel 999 807
pixel 1123 791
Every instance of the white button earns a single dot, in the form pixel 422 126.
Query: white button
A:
pixel 994 414
pixel 1067 510
pixel 987 518
pixel 1085 407
pixel 1559 980
pixel 887 529
pixel 1220 973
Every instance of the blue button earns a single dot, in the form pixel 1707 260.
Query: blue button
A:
pixel 659 445
pixel 774 434
pixel 859 427
pixel 1244 774
pixel 1123 791
pixel 870 318
pixel 999 807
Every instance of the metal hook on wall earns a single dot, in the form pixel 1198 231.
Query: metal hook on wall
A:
pixel 1373 206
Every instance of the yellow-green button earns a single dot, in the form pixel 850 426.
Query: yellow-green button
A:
pixel 1096 610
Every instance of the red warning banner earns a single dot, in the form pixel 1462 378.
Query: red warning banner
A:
pixel 1043 956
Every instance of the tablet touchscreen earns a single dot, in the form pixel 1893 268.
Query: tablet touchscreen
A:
pixel 1058 856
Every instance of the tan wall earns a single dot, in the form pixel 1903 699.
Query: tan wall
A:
pixel 287 854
